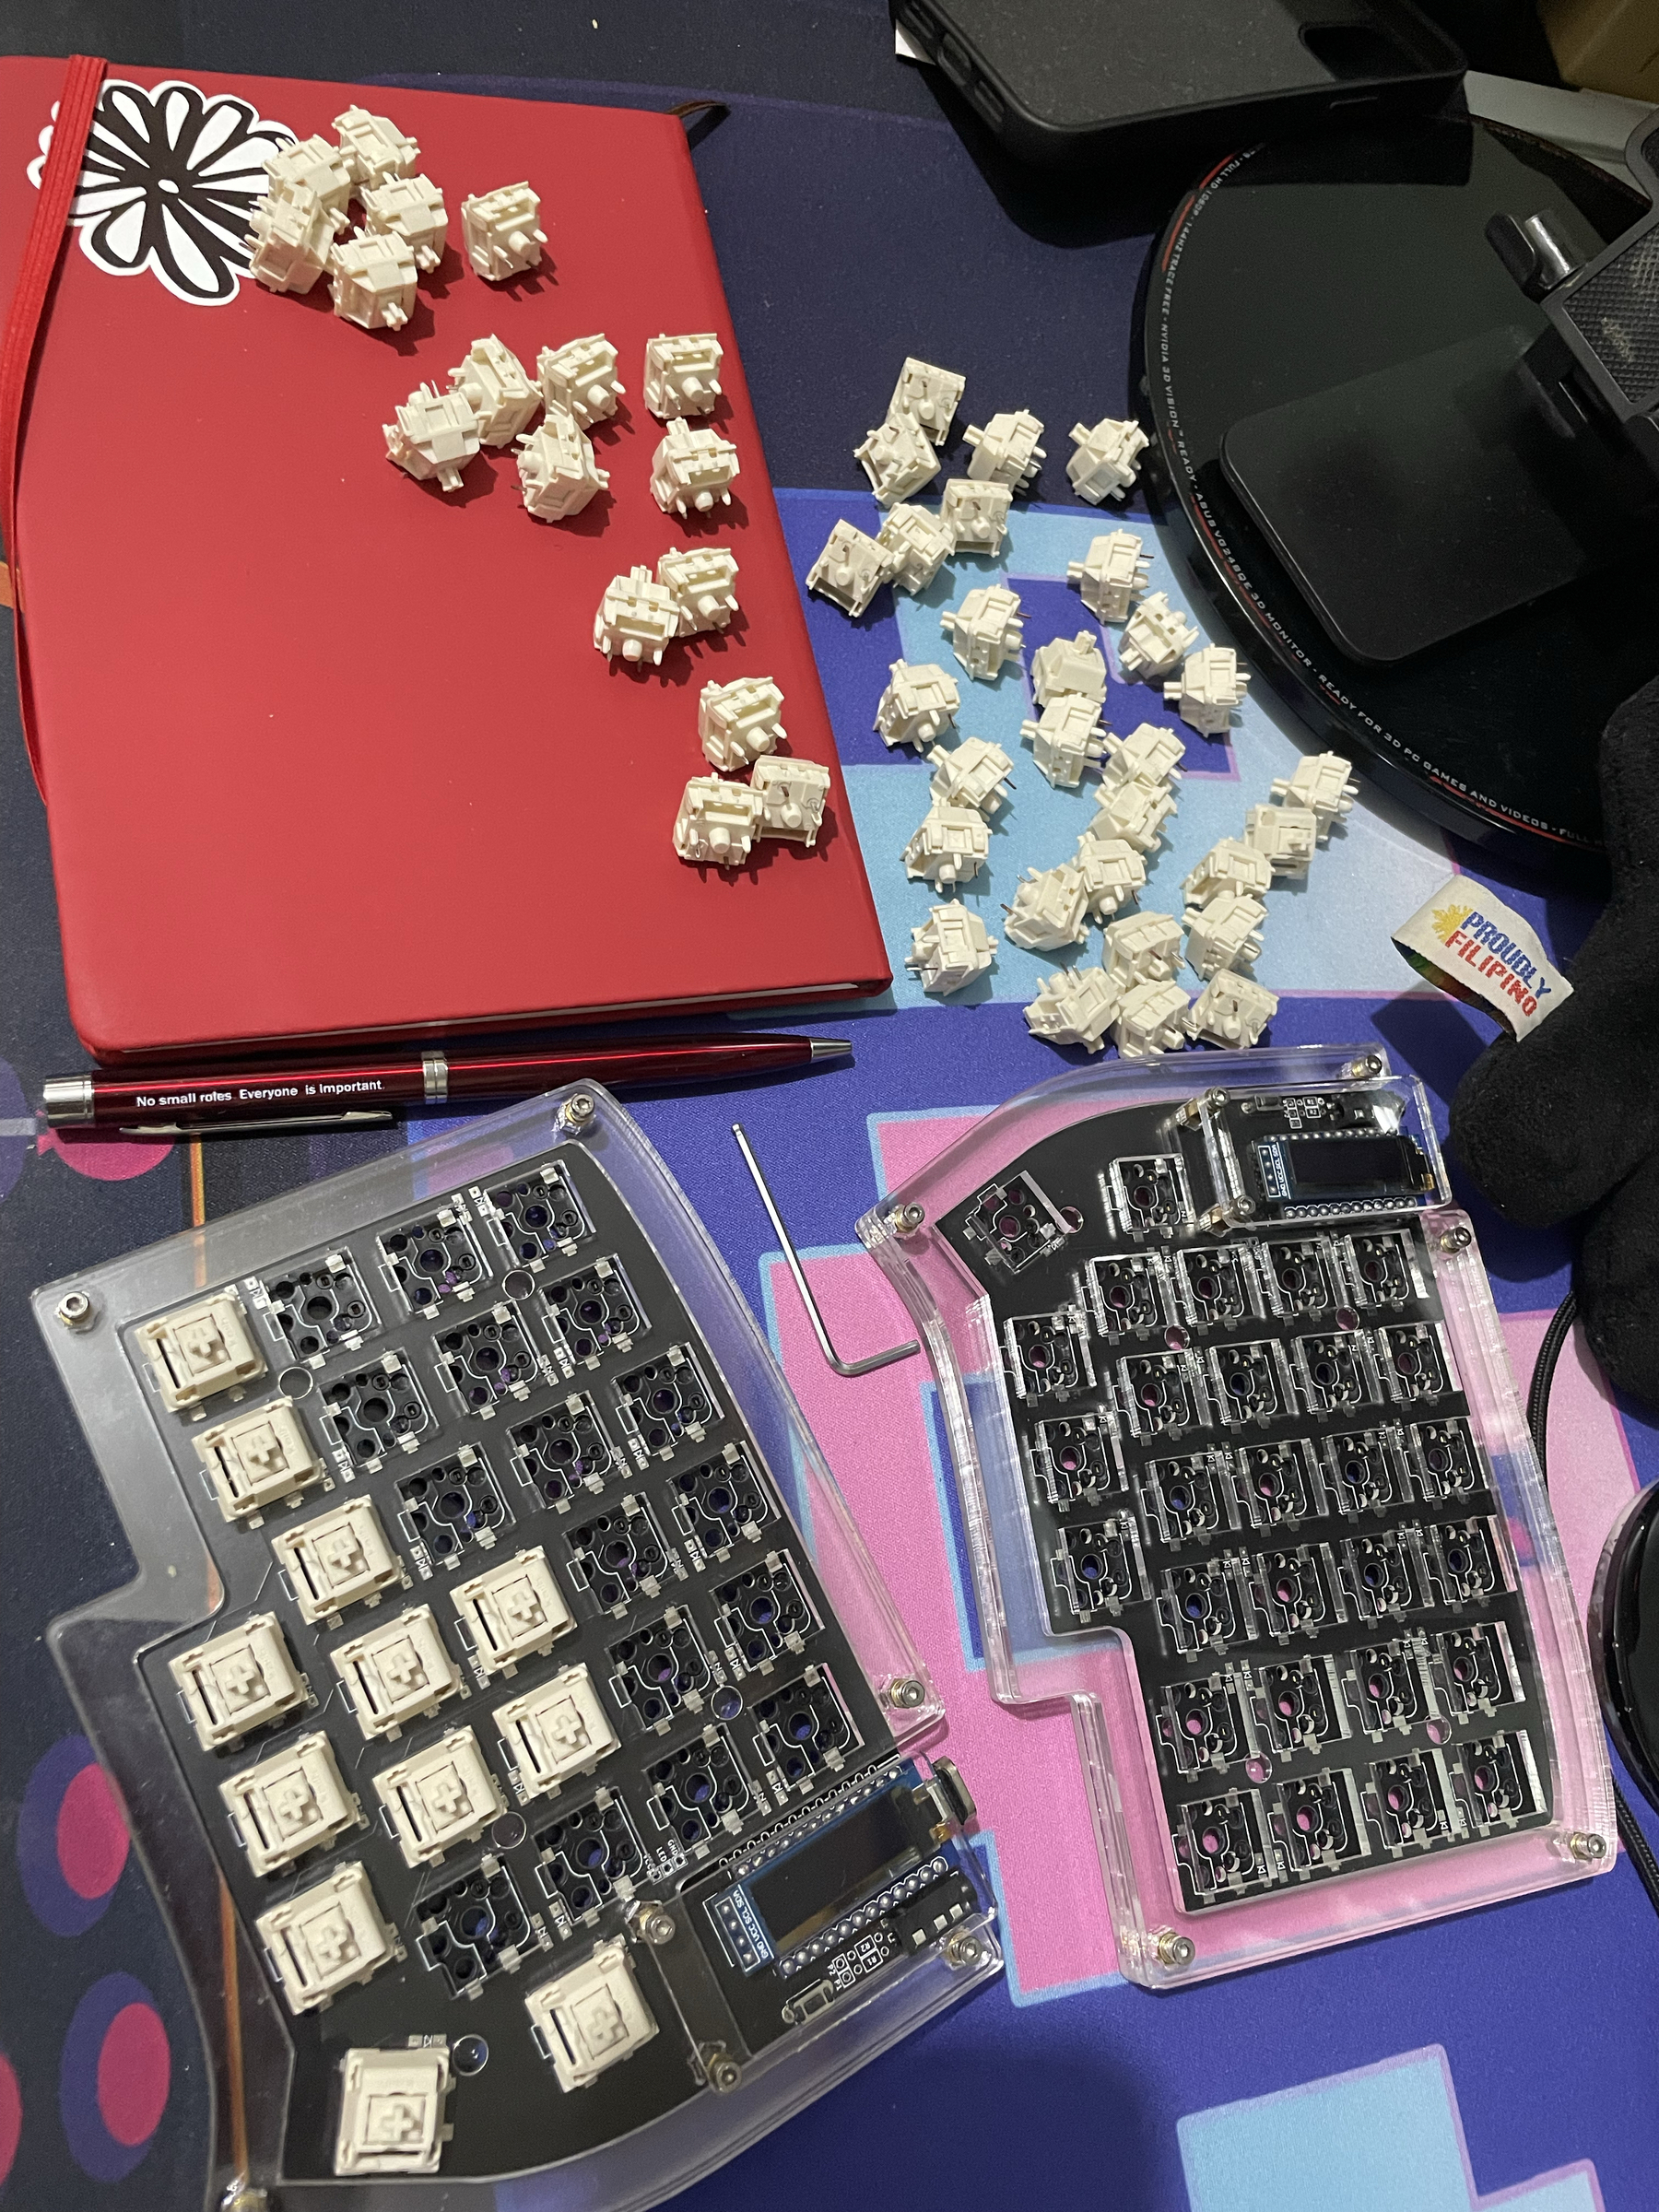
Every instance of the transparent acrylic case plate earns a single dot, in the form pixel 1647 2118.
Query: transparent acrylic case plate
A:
pixel 1162 1944
pixel 100 1650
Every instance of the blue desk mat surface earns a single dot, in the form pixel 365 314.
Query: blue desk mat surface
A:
pixel 1511 2055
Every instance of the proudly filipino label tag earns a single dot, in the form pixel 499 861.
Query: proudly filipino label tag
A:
pixel 1481 951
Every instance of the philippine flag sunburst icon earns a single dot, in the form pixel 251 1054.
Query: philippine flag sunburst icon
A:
pixel 1446 919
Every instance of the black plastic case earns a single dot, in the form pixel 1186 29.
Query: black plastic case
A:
pixel 1069 81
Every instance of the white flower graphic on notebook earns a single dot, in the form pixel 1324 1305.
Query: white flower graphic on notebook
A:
pixel 169 180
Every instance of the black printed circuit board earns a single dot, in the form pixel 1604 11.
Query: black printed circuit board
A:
pixel 1244 1448
pixel 517 1636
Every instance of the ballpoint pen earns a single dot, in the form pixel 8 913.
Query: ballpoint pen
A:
pixel 365 1094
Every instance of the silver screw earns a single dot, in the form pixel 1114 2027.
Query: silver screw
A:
pixel 963 1949
pixel 1174 1950
pixel 656 1925
pixel 1242 1208
pixel 1368 1063
pixel 1589 1850
pixel 1215 1099
pixel 904 1693
pixel 580 1109
pixel 723 2071
pixel 74 1309
pixel 907 1219
pixel 1455 1238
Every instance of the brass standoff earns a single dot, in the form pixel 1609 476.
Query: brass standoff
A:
pixel 578 1111
pixel 655 1924
pixel 242 2196
pixel 75 1310
pixel 1194 1110
pixel 1172 1950
pixel 1219 1219
pixel 1455 1238
pixel 905 1692
pixel 1588 1847
pixel 721 2070
pixel 1368 1063
pixel 963 1949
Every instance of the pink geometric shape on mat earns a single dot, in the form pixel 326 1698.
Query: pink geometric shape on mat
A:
pixel 11 2116
pixel 1022 1766
pixel 906 1142
pixel 91 1836
pixel 104 1158
pixel 134 2073
pixel 1592 1475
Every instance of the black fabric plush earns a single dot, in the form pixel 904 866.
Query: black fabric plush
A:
pixel 1548 1125
pixel 1618 1283
pixel 1567 1119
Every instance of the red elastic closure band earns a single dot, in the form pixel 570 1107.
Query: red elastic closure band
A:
pixel 78 103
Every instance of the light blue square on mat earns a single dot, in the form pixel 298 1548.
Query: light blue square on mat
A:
pixel 1326 936
pixel 1384 2139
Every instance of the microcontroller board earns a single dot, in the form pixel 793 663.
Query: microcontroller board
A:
pixel 544 1781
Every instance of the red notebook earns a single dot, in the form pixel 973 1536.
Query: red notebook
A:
pixel 325 753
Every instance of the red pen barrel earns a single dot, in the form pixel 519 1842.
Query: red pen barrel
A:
pixel 254 1094
pixel 636 1061
pixel 248 1096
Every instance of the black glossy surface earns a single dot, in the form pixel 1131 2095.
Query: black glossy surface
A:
pixel 1080 81
pixel 1629 1653
pixel 1080 63
pixel 1450 453
pixel 1298 268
